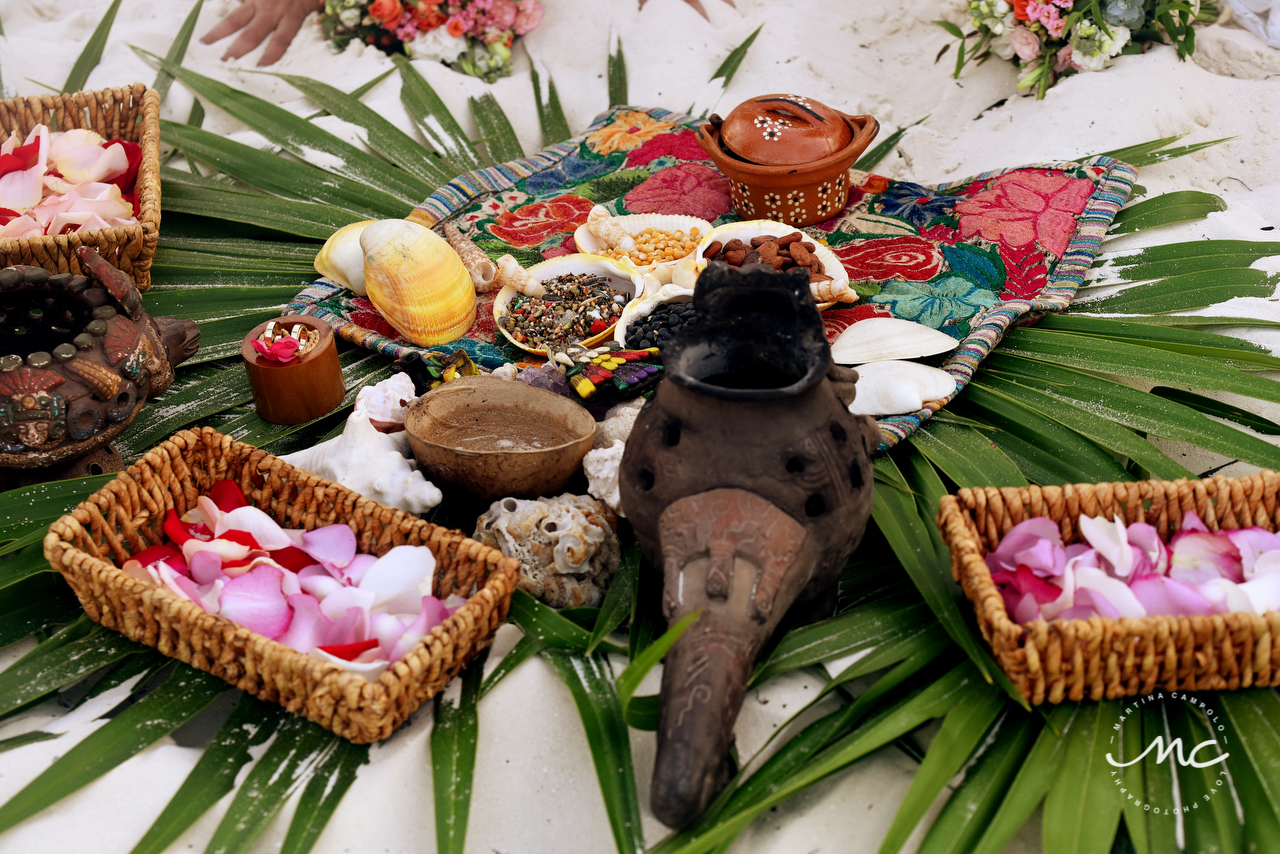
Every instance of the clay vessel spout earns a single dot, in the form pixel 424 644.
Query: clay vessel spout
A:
pixel 742 561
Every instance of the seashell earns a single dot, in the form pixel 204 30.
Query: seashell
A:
pixel 567 546
pixel 376 465
pixel 685 273
pixel 898 388
pixel 484 273
pixel 638 310
pixel 387 402
pixel 341 259
pixel 417 282
pixel 623 278
pixel 607 228
pixel 511 273
pixel 601 468
pixel 880 339
pixel 837 290
pixel 618 423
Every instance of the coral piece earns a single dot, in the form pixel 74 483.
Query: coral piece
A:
pixel 484 273
pixel 417 282
pixel 601 468
pixel 617 423
pixel 376 465
pixel 567 546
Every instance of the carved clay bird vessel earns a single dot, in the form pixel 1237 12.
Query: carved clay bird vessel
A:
pixel 748 484
pixel 78 358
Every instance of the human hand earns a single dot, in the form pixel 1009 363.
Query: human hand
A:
pixel 257 18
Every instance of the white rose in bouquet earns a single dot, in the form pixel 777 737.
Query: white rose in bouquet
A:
pixel 437 45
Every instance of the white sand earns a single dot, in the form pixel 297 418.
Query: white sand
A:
pixel 535 787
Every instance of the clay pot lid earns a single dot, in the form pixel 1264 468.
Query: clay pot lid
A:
pixel 783 130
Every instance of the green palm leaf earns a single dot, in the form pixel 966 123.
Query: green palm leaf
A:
pixel 620 600
pixel 496 132
pixel 434 120
pixel 1081 810
pixel 968 457
pixel 177 50
pixel 383 137
pixel 333 776
pixel 92 53
pixel 453 759
pixel 73 653
pixel 555 127
pixel 33 605
pixel 1180 206
pixel 159 713
pixel 1185 292
pixel 301 219
pixel 299 137
pixel 617 77
pixel 1176 259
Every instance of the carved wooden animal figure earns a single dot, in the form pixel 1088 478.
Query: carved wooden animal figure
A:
pixel 748 484
pixel 78 359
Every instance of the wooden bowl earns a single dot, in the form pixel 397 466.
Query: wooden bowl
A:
pixel 497 437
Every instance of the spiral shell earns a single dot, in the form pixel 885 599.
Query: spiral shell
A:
pixel 417 282
pixel 605 227
pixel 511 273
pixel 341 259
pixel 837 290
pixel 484 273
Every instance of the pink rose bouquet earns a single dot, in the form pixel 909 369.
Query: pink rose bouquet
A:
pixel 471 36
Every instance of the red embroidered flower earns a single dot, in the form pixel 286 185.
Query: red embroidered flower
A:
pixel 881 259
pixel 568 246
pixel 1024 206
pixel 690 189
pixel 532 224
pixel 682 146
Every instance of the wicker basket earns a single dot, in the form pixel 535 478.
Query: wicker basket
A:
pixel 1100 658
pixel 125 517
pixel 130 113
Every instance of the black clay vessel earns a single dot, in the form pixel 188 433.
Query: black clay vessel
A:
pixel 78 358
pixel 748 484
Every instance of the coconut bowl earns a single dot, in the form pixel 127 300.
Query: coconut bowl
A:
pixel 496 437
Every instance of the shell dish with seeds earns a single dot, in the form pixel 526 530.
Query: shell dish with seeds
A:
pixel 646 241
pixel 80 358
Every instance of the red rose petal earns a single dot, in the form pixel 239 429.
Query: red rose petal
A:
pixel 226 495
pixel 349 651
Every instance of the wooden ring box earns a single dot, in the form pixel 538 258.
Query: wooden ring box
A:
pixel 301 389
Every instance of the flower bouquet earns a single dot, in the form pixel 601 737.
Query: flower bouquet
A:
pixel 471 36
pixel 1058 38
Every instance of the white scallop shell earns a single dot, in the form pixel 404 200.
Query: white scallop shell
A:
pixel 879 339
pixel 899 388
pixel 744 231
pixel 624 278
pixel 634 224
pixel 638 310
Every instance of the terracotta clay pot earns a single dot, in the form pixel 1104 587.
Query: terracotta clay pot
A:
pixel 748 483
pixel 79 356
pixel 787 158
pixel 496 437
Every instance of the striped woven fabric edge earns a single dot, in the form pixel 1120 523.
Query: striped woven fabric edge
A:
pixel 464 189
pixel 1104 203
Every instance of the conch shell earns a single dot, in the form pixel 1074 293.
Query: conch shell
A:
pixel 605 227
pixel 833 291
pixel 880 339
pixel 484 273
pixel 511 273
pixel 341 259
pixel 417 282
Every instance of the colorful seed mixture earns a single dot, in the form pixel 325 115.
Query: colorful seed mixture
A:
pixel 575 307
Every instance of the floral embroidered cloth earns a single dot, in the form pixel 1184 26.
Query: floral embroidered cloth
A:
pixel 970 258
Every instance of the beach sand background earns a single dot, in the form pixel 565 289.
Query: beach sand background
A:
pixel 535 787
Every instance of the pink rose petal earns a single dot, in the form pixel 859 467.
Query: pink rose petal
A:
pixel 1095 585
pixel 179 584
pixel 255 601
pixel 253 521
pixel 387 629
pixel 1162 595
pixel 1198 558
pixel 360 564
pixel 1263 592
pixel 332 545
pixel 309 627
pixel 224 549
pixel 321 586
pixel 206 566
pixel 433 613
pixel 398 578
pixel 352 627
pixel 338 603
pixel 1226 596
pixel 1026 611
pixel 369 670
pixel 1252 542
pixel 453 602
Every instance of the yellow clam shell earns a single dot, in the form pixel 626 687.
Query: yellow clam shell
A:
pixel 417 282
pixel 341 259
